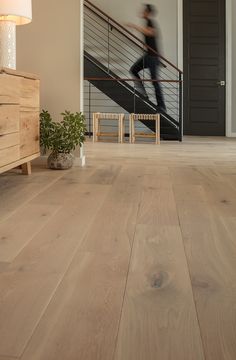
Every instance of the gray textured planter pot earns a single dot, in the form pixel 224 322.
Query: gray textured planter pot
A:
pixel 60 161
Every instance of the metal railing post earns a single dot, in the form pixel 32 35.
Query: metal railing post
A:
pixel 90 110
pixel 108 46
pixel 134 99
pixel 180 107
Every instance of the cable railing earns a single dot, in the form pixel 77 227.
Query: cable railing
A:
pixel 115 49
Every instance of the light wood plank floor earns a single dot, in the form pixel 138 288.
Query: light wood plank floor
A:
pixel 131 258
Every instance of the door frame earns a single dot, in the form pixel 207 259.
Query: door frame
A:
pixel 229 22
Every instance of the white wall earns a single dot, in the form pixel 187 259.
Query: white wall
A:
pixel 51 47
pixel 125 11
pixel 234 67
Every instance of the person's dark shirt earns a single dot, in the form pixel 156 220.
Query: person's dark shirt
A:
pixel 151 40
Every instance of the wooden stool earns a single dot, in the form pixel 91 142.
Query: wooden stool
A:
pixel 143 117
pixel 97 117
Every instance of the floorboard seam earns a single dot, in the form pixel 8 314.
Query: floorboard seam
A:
pixel 126 282
pixel 189 275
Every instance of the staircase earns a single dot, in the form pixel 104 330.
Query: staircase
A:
pixel 110 51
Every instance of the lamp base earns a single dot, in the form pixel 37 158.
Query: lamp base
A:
pixel 7 44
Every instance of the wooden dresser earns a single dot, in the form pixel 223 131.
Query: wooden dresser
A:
pixel 19 120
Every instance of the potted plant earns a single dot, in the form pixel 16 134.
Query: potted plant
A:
pixel 61 137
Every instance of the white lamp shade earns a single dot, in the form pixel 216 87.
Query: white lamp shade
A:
pixel 18 11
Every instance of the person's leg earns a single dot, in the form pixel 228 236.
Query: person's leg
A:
pixel 139 65
pixel 153 67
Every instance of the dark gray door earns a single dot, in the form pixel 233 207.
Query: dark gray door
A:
pixel 204 67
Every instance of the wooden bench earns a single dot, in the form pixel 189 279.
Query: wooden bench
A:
pixel 144 117
pixel 97 133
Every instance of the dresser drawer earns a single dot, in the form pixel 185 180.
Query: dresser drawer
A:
pixel 9 155
pixel 29 94
pixel 9 119
pixel 29 133
pixel 10 89
pixel 9 140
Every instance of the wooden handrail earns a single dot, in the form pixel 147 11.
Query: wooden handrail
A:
pixel 131 35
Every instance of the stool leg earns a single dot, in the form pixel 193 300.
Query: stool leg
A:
pixel 159 130
pixel 122 128
pixel 133 130
pixel 94 120
pixel 156 131
pixel 99 128
pixel 130 130
pixel 96 128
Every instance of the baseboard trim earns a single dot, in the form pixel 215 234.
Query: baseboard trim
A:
pixel 80 161
pixel 232 135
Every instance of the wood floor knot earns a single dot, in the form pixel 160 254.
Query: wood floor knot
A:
pixel 225 201
pixel 3 238
pixel 199 283
pixel 159 280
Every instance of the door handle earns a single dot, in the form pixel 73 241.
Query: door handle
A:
pixel 221 83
